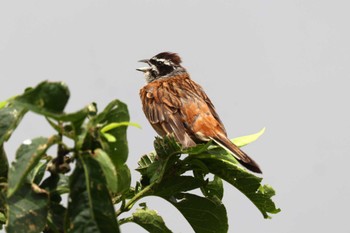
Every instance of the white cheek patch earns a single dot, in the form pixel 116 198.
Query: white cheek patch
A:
pixel 149 76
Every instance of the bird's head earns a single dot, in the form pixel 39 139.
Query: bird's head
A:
pixel 162 65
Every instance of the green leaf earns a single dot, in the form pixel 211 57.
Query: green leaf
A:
pixel 168 154
pixel 2 218
pixel 250 185
pixel 115 112
pixel 156 165
pixel 166 146
pixel 27 209
pixel 90 208
pixel 205 215
pixel 9 119
pixel 245 140
pixel 124 179
pixel 149 167
pixel 3 104
pixel 215 188
pixel 4 165
pixel 145 163
pixel 149 220
pixel 63 184
pixel 108 169
pixel 176 184
pixel 36 175
pixel 109 137
pixel 48 98
pixel 114 125
pixel 27 157
pixel 198 148
pixel 210 188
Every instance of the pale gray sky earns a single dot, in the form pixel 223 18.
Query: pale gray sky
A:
pixel 279 64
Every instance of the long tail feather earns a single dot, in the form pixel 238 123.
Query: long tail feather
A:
pixel 242 157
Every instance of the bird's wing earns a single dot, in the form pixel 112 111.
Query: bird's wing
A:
pixel 161 107
pixel 205 123
pixel 200 92
pixel 199 110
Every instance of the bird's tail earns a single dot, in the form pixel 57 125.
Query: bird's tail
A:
pixel 242 157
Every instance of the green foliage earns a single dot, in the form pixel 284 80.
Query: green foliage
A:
pixel 4 165
pixel 148 219
pixel 27 157
pixel 9 119
pixel 90 208
pixel 203 213
pixel 99 187
pixel 27 209
pixel 222 164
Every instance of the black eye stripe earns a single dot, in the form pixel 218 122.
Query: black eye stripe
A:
pixel 165 69
pixel 152 61
pixel 156 62
pixel 164 64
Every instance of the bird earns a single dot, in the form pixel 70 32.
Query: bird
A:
pixel 174 104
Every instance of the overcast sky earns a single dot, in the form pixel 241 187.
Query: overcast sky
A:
pixel 283 65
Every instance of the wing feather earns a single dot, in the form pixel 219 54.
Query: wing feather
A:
pixel 163 111
pixel 198 90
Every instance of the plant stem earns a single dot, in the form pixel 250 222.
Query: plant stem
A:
pixel 133 200
pixel 125 220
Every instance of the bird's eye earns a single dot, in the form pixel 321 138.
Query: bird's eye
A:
pixel 159 63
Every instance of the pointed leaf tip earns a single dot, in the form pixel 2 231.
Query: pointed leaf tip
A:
pixel 114 125
pixel 245 140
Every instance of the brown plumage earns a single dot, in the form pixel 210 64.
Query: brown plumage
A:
pixel 175 104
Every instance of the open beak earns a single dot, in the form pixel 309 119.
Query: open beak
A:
pixel 144 69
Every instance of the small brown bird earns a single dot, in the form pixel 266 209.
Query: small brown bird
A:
pixel 173 103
